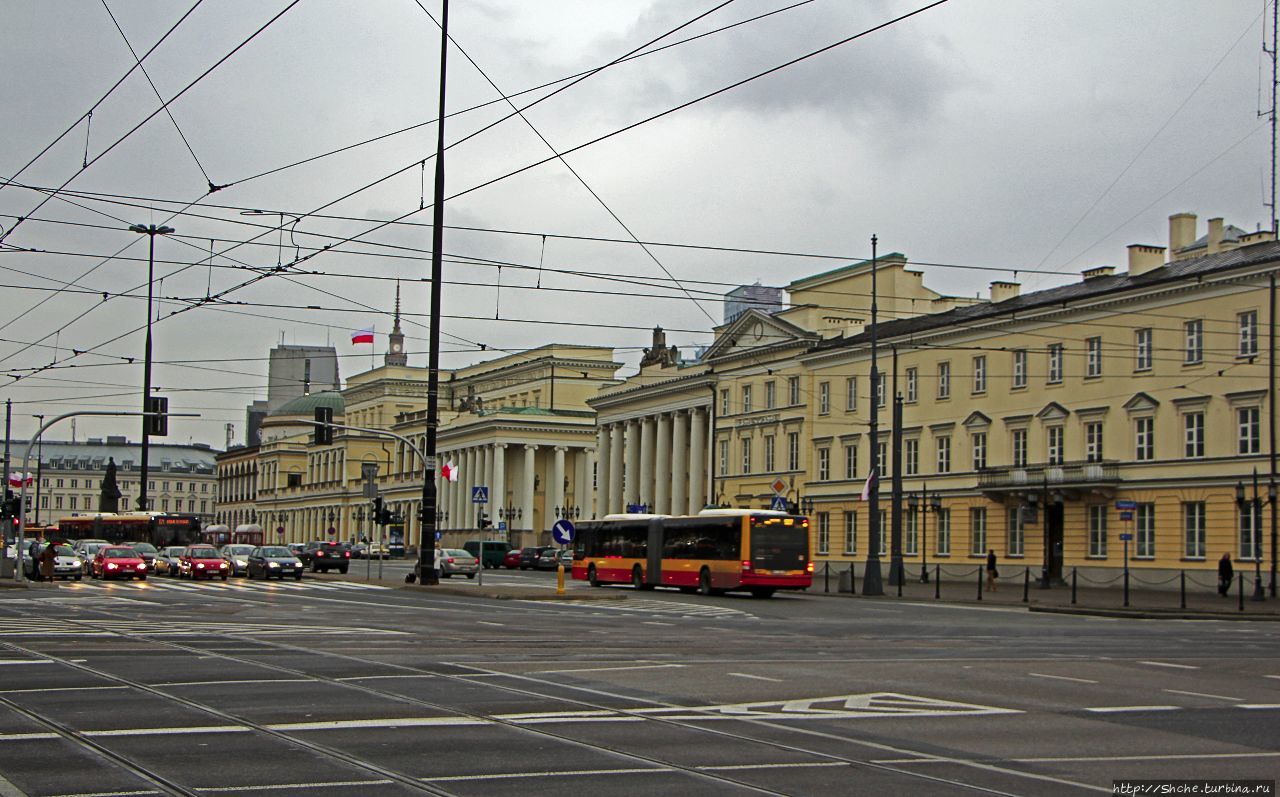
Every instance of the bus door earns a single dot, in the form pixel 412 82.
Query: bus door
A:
pixel 653 551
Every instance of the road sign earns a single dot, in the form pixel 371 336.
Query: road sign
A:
pixel 778 503
pixel 637 509
pixel 563 531
pixel 1126 537
pixel 1122 505
pixel 480 494
pixel 1126 515
pixel 279 529
pixel 502 525
pixel 779 486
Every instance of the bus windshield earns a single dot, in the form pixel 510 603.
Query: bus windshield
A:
pixel 775 546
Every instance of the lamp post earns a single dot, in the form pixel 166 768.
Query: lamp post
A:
pixel 358 516
pixel 872 582
pixel 151 231
pixel 40 462
pixel 1255 528
pixel 332 531
pixel 280 524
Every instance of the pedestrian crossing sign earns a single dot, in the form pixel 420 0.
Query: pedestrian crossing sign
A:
pixel 778 504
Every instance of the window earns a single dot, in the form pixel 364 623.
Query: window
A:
pixel 1248 440
pixel 768 454
pixel 1248 323
pixel 1055 363
pixel 59 484
pixel 44 502
pixel 944 532
pixel 880 389
pixel 724 457
pixel 164 504
pixel 979 450
pixel 884 533
pixel 977 531
pixel 75 484
pixel 1093 441
pixel 944 454
pixel 1145 531
pixel 724 402
pixel 770 395
pixel 1193 435
pixel 1193 349
pixel 1144 439
pixel 850 394
pixel 793 451
pixel 1054 445
pixel 1019 368
pixel 1018 445
pixel 980 374
pixel 850 532
pixel 73 502
pixel 1142 349
pixel 911 457
pixel 746 398
pixel 177 487
pixel 164 486
pixel 912 533
pixel 1017 532
pixel 913 385
pixel 204 505
pixel 1193 525
pixel 882 459
pixel 151 485
pixel 944 381
pixel 1098 531
pixel 1093 357
pixel 824 464
pixel 1250 530
pixel 793 390
pixel 204 487
pixel 57 502
pixel 746 455
pixel 824 533
pixel 851 461
pixel 824 398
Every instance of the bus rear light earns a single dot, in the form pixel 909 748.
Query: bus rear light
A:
pixel 809 568
pixel 746 567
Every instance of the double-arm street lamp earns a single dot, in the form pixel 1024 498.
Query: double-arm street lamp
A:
pixel 151 231
pixel 1255 527
pixel 925 503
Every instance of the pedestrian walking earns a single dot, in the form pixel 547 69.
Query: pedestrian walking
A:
pixel 47 558
pixel 992 573
pixel 1226 574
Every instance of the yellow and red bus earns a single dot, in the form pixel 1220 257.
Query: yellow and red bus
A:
pixel 158 528
pixel 718 550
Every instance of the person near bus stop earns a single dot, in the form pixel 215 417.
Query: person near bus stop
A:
pixel 1226 574
pixel 992 573
pixel 47 558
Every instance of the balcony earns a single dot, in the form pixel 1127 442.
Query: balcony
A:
pixel 1072 479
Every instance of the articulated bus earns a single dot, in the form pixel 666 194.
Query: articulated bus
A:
pixel 158 528
pixel 716 551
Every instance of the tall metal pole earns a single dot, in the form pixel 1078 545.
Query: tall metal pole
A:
pixel 39 469
pixel 924 532
pixel 896 568
pixel 426 568
pixel 872 583
pixel 8 418
pixel 151 231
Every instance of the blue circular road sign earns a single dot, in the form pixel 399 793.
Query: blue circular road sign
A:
pixel 563 531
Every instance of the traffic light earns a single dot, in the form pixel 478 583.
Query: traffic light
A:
pixel 158 424
pixel 484 521
pixel 324 432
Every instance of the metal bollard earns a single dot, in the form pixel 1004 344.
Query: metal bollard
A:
pixel 1183 585
pixel 979 583
pixel 1026 585
pixel 937 581
pixel 1241 592
pixel 902 576
pixel 1126 586
pixel 1073 586
pixel 826 577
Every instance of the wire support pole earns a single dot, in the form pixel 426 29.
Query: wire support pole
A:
pixel 872 580
pixel 151 231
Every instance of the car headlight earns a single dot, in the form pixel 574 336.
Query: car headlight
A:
pixel 222 565
pixel 200 566
pixel 241 563
pixel 273 564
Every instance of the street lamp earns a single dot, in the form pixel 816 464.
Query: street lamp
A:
pixel 872 582
pixel 40 462
pixel 151 231
pixel 926 503
pixel 332 517
pixel 1255 528
pixel 280 524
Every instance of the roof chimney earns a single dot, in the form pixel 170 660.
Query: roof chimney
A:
pixel 1215 236
pixel 1182 231
pixel 1000 291
pixel 1143 258
pixel 1099 271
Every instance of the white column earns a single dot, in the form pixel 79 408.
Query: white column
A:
pixel 616 452
pixel 697 459
pixel 662 466
pixel 498 490
pixel 555 496
pixel 455 492
pixel 631 474
pixel 604 445
pixel 530 452
pixel 680 462
pixel 646 462
pixel 584 495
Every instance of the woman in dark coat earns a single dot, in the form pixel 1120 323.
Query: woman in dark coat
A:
pixel 46 559
pixel 1226 573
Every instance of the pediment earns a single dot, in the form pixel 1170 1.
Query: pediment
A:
pixel 976 419
pixel 753 329
pixel 1053 411
pixel 1141 402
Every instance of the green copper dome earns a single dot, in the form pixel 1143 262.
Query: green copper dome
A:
pixel 306 405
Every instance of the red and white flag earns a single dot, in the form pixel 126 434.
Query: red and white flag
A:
pixel 362 336
pixel 449 471
pixel 866 488
pixel 17 479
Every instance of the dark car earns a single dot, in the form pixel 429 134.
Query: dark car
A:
pixel 147 551
pixel 273 561
pixel 323 556
pixel 529 556
pixel 549 559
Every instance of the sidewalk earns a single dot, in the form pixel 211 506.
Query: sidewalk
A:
pixel 1202 602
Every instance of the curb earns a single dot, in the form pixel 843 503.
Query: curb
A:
pixel 508 595
pixel 1155 614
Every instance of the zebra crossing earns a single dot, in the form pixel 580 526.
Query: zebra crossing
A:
pixel 136 590
pixel 62 627
pixel 658 608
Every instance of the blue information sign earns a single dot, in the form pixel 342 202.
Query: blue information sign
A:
pixel 637 509
pixel 1126 515
pixel 1126 537
pixel 502 525
pixel 563 531
pixel 1122 505
pixel 480 494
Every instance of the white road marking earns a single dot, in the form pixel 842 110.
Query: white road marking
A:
pixel 655 622
pixel 552 774
pixel 1204 694
pixel 324 785
pixel 486 622
pixel 1062 678
pixel 755 677
pixel 1170 664
pixel 1277 677
pixel 1088 758
pixel 1118 709
pixel 608 669
pixel 384 677
pixel 243 681
pixel 792 765
pixel 1259 705
pixel 25 661
pixel 107 794
pixel 60 689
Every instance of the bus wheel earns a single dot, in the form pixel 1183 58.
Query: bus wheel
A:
pixel 704 582
pixel 637 578
pixel 592 578
pixel 762 592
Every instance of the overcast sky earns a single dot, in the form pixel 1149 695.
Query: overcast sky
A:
pixel 1028 136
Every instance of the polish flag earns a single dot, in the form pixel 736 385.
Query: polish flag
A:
pixel 449 471
pixel 362 335
pixel 17 479
pixel 866 488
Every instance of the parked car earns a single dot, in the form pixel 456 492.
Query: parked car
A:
pixel 323 556
pixel 529 556
pixel 296 548
pixel 65 563
pixel 237 557
pixel 456 560
pixel 548 559
pixel 489 552
pixel 512 559
pixel 202 561
pixel 166 562
pixel 117 561
pixel 359 551
pixel 86 551
pixel 273 561
pixel 566 558
pixel 146 550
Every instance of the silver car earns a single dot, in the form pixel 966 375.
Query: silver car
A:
pixel 237 557
pixel 456 560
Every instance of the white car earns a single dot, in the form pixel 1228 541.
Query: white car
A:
pixel 65 562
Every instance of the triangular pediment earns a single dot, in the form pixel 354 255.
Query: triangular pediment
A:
pixel 754 329
pixel 1053 411
pixel 976 419
pixel 1140 402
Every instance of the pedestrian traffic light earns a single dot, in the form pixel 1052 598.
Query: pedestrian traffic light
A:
pixel 324 431
pixel 158 424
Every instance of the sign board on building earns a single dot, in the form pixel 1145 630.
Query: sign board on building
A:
pixel 637 509
pixel 1126 537
pixel 1126 515
pixel 1122 505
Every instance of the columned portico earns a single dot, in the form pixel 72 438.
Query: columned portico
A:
pixel 555 495
pixel 527 496
pixel 615 503
pixel 604 445
pixel 498 488
pixel 646 462
pixel 631 474
pixel 662 466
pixel 697 463
pixel 679 462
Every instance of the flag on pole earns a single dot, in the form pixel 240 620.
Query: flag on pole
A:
pixel 866 488
pixel 362 336
pixel 17 479
pixel 449 471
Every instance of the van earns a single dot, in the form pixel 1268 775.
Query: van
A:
pixel 493 551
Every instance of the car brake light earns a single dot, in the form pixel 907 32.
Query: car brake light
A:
pixel 450 560
pixel 746 566
pixel 809 568
pixel 319 553
pixel 347 554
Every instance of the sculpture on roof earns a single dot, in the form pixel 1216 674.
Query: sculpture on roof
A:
pixel 660 354
pixel 109 497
